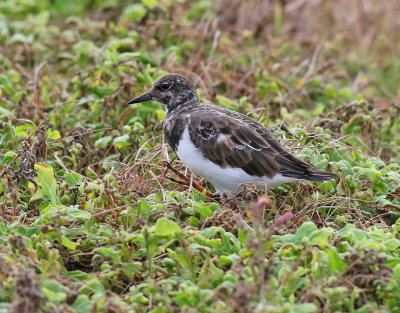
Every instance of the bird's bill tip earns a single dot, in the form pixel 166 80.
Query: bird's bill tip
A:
pixel 145 97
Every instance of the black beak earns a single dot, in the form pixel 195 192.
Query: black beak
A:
pixel 145 97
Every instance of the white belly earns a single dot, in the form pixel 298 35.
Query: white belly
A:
pixel 224 179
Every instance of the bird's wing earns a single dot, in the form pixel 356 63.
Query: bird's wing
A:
pixel 242 143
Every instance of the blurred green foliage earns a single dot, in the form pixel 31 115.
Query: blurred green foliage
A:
pixel 89 221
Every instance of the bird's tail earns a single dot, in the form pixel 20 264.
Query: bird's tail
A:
pixel 313 175
pixel 319 175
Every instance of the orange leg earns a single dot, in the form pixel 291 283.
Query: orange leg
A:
pixel 186 181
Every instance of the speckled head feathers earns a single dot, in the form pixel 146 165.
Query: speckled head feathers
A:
pixel 172 90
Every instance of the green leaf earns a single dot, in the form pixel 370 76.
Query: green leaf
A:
pixel 122 141
pixel 118 44
pixel 160 114
pixel 2 227
pixel 396 272
pixel 21 130
pixel 53 135
pixel 210 275
pixel 29 231
pixel 18 37
pixel 79 214
pixel 149 3
pixel 165 227
pixel 367 172
pixel 228 260
pixel 47 185
pixel 68 243
pixel 203 209
pixel 111 253
pixel 54 291
pixel 130 269
pixel 159 310
pixel 103 142
pixel 188 294
pixel 93 286
pixel 127 56
pixel 77 275
pixel 83 304
pixel 193 221
pixel 305 230
pixel 8 88
pixel 320 237
pixel 211 231
pixel 134 12
pixel 391 244
pixel 336 263
pixel 305 308
pixel 72 179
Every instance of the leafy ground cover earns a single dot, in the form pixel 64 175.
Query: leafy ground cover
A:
pixel 90 221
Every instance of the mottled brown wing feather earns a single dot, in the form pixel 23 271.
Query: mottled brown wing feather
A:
pixel 241 143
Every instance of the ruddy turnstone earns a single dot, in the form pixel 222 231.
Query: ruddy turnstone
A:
pixel 225 147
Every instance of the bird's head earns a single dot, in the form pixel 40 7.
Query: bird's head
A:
pixel 172 90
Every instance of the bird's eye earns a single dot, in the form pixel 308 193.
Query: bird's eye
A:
pixel 165 86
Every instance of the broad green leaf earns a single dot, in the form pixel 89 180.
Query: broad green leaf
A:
pixel 335 261
pixel 149 3
pixel 21 130
pixel 47 185
pixel 228 260
pixel 210 275
pixel 165 227
pixel 211 231
pixel 122 141
pixel 188 294
pixel 72 179
pixel 130 269
pixel 79 214
pixel 53 135
pixel 77 275
pixel 396 272
pixel 320 237
pixel 4 111
pixel 83 304
pixel 160 114
pixel 134 12
pixel 6 84
pixel 305 230
pixel 193 221
pixel 366 172
pixel 29 231
pixel 54 291
pixel 391 244
pixel 203 209
pixel 93 286
pixel 110 252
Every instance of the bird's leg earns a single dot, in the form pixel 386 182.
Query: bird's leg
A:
pixel 177 181
pixel 186 181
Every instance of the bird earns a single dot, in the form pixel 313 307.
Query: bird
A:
pixel 225 147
